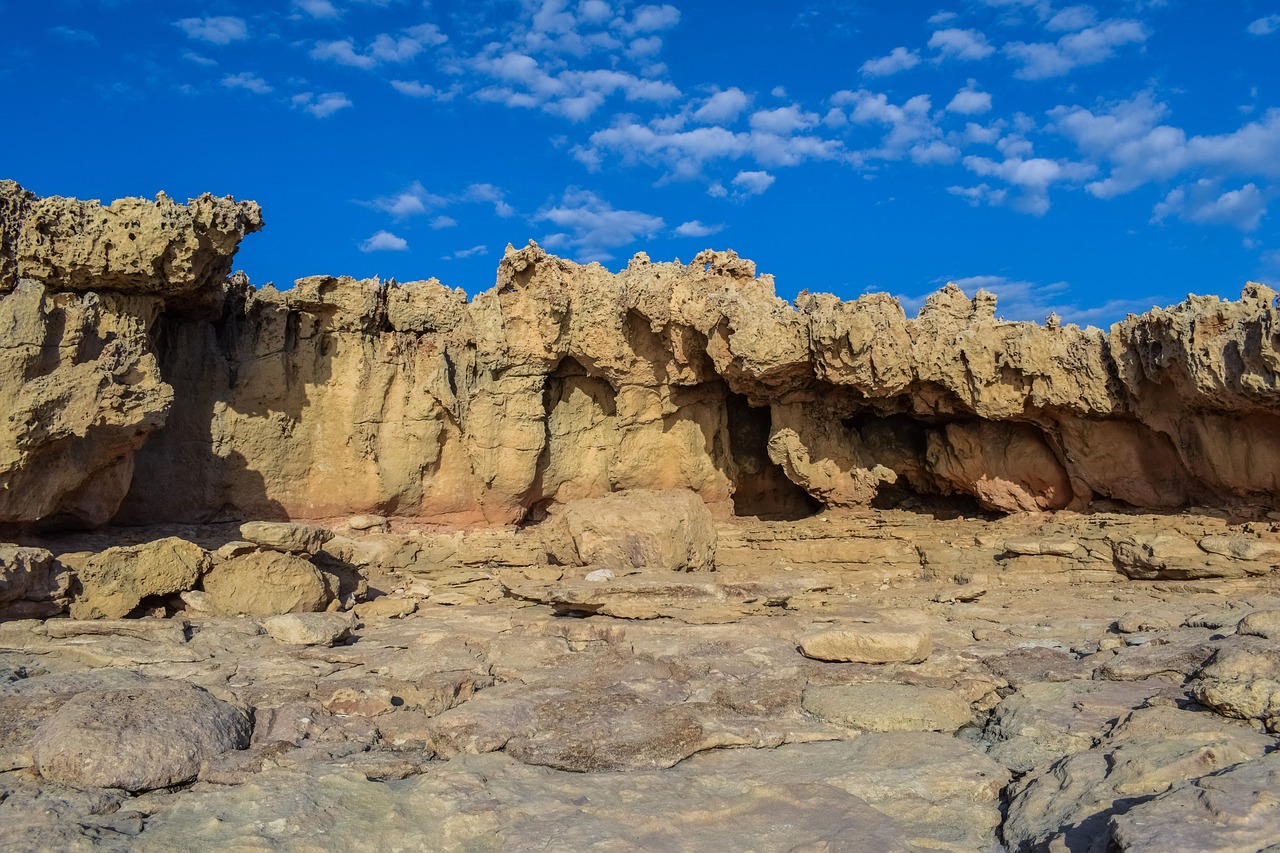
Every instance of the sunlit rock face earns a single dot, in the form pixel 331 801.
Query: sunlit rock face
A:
pixel 141 382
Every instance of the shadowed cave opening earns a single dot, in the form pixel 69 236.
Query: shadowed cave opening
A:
pixel 761 488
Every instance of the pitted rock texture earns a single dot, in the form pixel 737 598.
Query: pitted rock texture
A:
pixel 81 289
pixel 340 397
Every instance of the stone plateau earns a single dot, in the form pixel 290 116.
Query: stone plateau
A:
pixel 651 560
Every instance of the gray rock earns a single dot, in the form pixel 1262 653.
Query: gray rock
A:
pixel 884 707
pixel 309 629
pixel 150 736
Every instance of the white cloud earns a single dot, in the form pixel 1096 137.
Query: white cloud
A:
pixel 1087 47
pixel 899 59
pixel 1072 18
pixel 573 94
pixel 783 120
pixel 322 9
pixel 322 105
pixel 490 194
pixel 723 107
pixel 1204 203
pixel 1031 176
pixel 385 48
pixel 73 34
pixel 413 200
pixel 219 30
pixel 384 241
pixel 969 101
pixel 249 82
pixel 966 45
pixel 652 19
pixel 910 124
pixel 414 89
pixel 695 229
pixel 468 253
pixel 1264 26
pixel 443 222
pixel 198 59
pixel 591 226
pixel 1127 135
pixel 752 183
pixel 938 19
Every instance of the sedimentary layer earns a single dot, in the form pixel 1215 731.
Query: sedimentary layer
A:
pixel 142 383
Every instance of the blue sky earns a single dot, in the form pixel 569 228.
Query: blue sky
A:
pixel 1091 159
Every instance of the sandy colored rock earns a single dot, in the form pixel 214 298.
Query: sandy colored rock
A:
pixel 883 707
pixel 116 581
pixel 266 583
pixel 868 644
pixel 309 629
pixel 289 538
pixel 1261 623
pixel 669 531
pixel 30 582
pixel 1220 813
pixel 145 737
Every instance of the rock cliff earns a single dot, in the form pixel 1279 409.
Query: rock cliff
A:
pixel 141 382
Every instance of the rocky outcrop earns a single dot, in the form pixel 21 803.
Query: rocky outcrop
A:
pixel 340 397
pixel 81 289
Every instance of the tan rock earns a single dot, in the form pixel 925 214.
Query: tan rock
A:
pixel 266 583
pixel 868 644
pixel 289 538
pixel 116 581
pixel 1261 623
pixel 885 707
pixel 309 629
pixel 669 531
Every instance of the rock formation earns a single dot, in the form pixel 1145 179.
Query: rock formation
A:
pixel 143 383
pixel 653 556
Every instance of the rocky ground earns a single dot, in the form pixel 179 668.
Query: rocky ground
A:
pixel 875 680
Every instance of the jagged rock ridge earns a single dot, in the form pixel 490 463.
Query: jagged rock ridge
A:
pixel 147 385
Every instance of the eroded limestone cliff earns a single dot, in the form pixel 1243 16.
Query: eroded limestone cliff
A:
pixel 143 383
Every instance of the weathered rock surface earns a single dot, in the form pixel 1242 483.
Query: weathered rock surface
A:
pixel 149 736
pixel 290 538
pixel 341 397
pixel 638 529
pixel 32 584
pixel 114 582
pixel 266 583
pixel 868 644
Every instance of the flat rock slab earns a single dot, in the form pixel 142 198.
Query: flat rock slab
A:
pixel 283 536
pixel 868 644
pixel 138 738
pixel 1236 810
pixel 309 629
pixel 885 707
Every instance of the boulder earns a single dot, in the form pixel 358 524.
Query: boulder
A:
pixel 868 644
pixel 639 529
pixel 286 537
pixel 115 581
pixel 266 583
pixel 145 737
pixel 309 629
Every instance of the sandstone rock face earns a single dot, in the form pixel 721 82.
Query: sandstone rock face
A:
pixel 32 584
pixel 341 397
pixel 81 289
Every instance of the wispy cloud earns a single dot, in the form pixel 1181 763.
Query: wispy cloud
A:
pixel 967 45
pixel 467 253
pixel 1264 26
pixel 322 105
pixel 696 229
pixel 1206 203
pixel 590 226
pixel 898 59
pixel 1090 46
pixel 220 30
pixel 249 82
